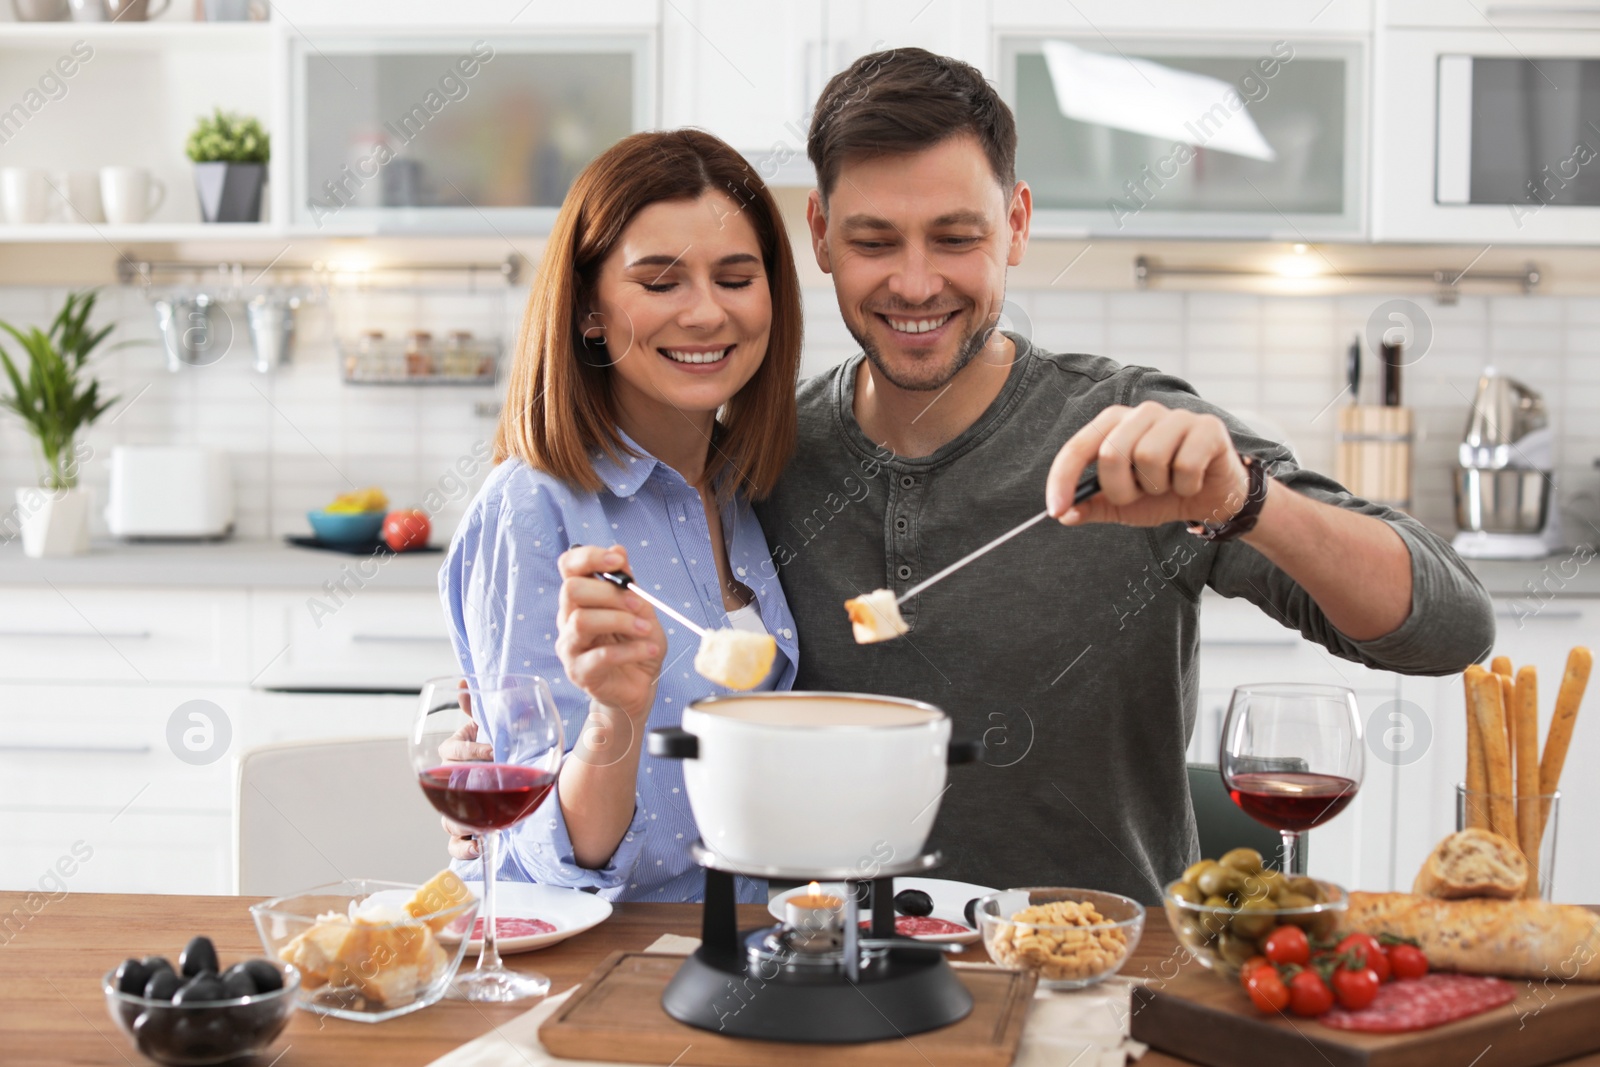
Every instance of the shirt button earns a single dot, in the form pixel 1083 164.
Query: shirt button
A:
pixel 904 572
pixel 901 524
pixel 906 481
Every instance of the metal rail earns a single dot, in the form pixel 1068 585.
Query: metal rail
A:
pixel 143 272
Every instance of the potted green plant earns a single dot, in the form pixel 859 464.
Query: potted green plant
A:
pixel 57 400
pixel 230 154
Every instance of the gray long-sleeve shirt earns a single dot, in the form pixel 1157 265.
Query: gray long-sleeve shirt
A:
pixel 1073 650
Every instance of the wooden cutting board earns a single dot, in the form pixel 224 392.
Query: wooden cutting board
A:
pixel 617 1015
pixel 1202 1017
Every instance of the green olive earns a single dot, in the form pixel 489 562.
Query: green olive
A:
pixel 1323 924
pixel 1274 880
pixel 1254 890
pixel 1187 893
pixel 1305 886
pixel 1189 930
pixel 1214 922
pixel 1218 880
pixel 1254 921
pixel 1235 950
pixel 1247 860
pixel 1195 870
pixel 1291 899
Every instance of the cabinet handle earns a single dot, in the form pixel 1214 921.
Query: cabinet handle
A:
pixel 397 639
pixel 1547 10
pixel 78 750
pixel 1560 615
pixel 128 635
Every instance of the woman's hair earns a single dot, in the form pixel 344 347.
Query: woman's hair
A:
pixel 559 406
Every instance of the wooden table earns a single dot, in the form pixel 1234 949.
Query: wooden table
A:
pixel 52 1010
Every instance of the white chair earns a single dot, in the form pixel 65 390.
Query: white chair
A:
pixel 313 812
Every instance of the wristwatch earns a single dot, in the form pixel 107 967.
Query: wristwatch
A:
pixel 1244 520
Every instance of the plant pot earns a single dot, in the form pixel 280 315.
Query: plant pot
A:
pixel 54 522
pixel 230 192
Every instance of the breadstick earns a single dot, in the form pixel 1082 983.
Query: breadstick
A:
pixel 1508 701
pixel 1501 665
pixel 1525 713
pixel 1477 780
pixel 1579 661
pixel 1489 710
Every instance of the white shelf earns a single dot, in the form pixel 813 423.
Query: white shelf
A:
pixel 57 233
pixel 134 35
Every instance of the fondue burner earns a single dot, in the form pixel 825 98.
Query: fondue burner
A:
pixel 815 977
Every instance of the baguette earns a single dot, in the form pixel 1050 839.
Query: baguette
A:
pixel 1579 662
pixel 1477 813
pixel 1473 863
pixel 1525 713
pixel 1512 938
pixel 1489 712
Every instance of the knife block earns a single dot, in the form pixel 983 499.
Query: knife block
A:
pixel 1373 458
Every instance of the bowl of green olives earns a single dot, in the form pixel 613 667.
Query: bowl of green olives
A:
pixel 1222 910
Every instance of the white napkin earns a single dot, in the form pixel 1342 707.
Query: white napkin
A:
pixel 1086 1028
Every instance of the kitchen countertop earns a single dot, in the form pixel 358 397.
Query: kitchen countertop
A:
pixel 214 564
pixel 277 563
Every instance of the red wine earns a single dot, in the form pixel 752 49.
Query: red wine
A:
pixel 1291 800
pixel 486 796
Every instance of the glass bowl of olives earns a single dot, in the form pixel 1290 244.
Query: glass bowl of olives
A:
pixel 1222 910
pixel 194 1016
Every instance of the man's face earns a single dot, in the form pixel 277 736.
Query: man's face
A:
pixel 918 245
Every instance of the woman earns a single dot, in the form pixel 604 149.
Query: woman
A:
pixel 667 295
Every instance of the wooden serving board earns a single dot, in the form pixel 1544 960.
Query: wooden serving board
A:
pixel 1203 1017
pixel 617 1015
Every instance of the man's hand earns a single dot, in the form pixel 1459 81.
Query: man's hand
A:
pixel 1156 465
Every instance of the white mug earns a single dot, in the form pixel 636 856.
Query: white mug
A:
pixel 126 194
pixel 23 195
pixel 82 191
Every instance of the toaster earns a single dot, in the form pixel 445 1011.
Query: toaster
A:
pixel 169 491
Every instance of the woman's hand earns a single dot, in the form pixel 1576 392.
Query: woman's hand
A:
pixel 463 746
pixel 610 643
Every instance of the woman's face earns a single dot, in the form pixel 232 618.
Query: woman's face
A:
pixel 684 304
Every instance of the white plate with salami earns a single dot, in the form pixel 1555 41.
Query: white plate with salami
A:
pixel 946 923
pixel 535 916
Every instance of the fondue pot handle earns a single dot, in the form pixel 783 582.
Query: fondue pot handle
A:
pixel 964 750
pixel 673 742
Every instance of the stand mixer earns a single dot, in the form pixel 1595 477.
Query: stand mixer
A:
pixel 1504 485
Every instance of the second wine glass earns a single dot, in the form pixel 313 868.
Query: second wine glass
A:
pixel 1292 756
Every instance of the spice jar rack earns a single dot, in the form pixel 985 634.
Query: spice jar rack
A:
pixel 418 358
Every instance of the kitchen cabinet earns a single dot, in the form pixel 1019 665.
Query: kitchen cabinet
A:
pixel 372 639
pixel 1542 639
pixel 1501 14
pixel 1303 18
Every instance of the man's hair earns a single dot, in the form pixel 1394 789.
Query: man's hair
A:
pixel 902 101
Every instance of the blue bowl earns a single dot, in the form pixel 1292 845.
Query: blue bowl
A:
pixel 346 527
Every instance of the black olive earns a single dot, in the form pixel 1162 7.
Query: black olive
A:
pixel 238 983
pixel 162 985
pixel 913 902
pixel 971 912
pixel 131 976
pixel 263 974
pixel 199 955
pixel 202 988
pixel 159 963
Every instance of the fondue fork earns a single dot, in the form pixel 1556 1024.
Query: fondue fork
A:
pixel 1086 489
pixel 623 581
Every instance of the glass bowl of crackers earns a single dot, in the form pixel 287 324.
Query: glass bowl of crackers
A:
pixel 1070 938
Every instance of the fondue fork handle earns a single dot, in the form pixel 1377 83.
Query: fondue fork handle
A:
pixel 623 581
pixel 1086 489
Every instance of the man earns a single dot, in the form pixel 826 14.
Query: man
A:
pixel 1073 648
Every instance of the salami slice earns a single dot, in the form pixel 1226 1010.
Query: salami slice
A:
pixel 1423 1003
pixel 925 926
pixel 509 926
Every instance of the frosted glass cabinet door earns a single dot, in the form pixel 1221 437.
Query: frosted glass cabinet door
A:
pixel 423 133
pixel 1243 138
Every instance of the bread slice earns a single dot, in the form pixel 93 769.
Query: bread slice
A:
pixel 1512 938
pixel 1473 863
pixel 875 616
pixel 737 659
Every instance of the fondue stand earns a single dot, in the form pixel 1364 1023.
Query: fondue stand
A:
pixel 814 977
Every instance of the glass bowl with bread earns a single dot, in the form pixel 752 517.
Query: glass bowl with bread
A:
pixel 368 950
pixel 1223 910
pixel 1070 938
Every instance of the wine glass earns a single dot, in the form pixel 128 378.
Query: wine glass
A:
pixel 1292 756
pixel 516 714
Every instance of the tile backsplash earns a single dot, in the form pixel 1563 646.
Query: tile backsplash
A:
pixel 298 435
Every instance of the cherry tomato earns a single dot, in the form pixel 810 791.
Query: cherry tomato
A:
pixel 1286 945
pixel 1355 987
pixel 1308 994
pixel 1408 961
pixel 1266 989
pixel 1251 964
pixel 1368 950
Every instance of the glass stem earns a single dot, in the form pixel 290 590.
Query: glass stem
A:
pixel 489 954
pixel 1290 851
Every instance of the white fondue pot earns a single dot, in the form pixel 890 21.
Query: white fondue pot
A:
pixel 813 782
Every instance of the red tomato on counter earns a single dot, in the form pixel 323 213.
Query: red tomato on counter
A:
pixel 1368 948
pixel 1309 995
pixel 1356 987
pixel 404 530
pixel 1288 944
pixel 1266 988
pixel 1408 961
